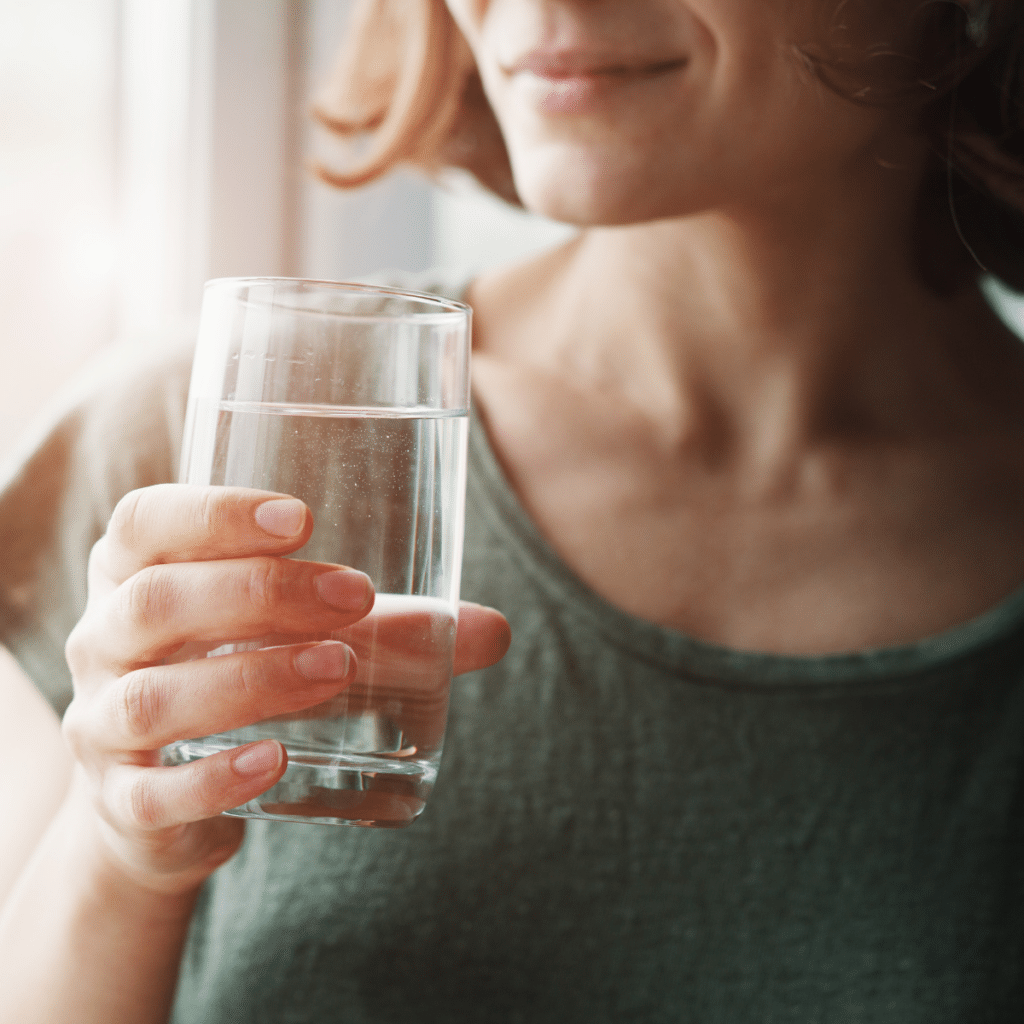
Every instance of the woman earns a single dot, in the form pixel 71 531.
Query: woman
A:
pixel 747 479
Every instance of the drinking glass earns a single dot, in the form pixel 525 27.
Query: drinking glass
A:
pixel 355 399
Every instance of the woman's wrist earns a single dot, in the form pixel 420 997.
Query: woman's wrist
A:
pixel 77 918
pixel 111 868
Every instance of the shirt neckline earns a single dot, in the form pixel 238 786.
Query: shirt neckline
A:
pixel 996 632
pixel 985 635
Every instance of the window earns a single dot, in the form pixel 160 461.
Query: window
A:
pixel 58 247
pixel 154 144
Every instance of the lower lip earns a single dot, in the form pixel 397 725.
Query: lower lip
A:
pixel 577 94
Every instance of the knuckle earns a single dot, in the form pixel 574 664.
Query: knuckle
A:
pixel 252 679
pixel 138 706
pixel 205 791
pixel 266 585
pixel 127 522
pixel 208 512
pixel 147 598
pixel 140 804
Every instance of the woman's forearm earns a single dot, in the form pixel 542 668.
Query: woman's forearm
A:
pixel 80 941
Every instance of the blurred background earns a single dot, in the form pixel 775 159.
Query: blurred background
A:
pixel 149 145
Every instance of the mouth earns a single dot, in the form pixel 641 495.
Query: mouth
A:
pixel 558 66
pixel 573 81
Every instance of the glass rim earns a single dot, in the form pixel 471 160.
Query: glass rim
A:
pixel 449 309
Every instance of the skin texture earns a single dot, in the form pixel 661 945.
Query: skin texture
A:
pixel 731 406
pixel 733 98
pixel 117 872
pixel 770 433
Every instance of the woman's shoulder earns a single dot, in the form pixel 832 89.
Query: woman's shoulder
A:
pixel 128 393
pixel 116 427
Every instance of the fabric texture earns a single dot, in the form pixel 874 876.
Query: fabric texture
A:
pixel 117 428
pixel 628 825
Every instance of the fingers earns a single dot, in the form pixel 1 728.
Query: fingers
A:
pixel 162 606
pixel 151 707
pixel 148 799
pixel 409 637
pixel 202 565
pixel 159 609
pixel 180 523
pixel 482 638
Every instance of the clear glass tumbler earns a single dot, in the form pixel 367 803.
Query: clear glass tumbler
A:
pixel 356 400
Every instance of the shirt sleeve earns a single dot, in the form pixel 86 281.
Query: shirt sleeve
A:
pixel 119 428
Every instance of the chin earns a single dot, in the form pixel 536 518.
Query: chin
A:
pixel 571 188
pixel 575 200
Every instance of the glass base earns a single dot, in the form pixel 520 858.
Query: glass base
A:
pixel 329 789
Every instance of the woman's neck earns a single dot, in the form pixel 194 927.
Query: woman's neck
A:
pixel 760 336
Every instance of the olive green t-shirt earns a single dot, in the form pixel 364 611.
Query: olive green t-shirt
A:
pixel 628 825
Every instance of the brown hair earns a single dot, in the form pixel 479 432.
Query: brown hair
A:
pixel 405 83
pixel 962 83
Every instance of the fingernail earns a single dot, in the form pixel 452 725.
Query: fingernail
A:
pixel 345 589
pixel 329 660
pixel 281 517
pixel 260 759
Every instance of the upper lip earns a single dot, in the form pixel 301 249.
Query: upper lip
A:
pixel 557 64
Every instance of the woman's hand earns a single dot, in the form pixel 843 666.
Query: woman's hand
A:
pixel 114 879
pixel 181 565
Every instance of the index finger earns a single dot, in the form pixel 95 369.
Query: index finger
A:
pixel 186 523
